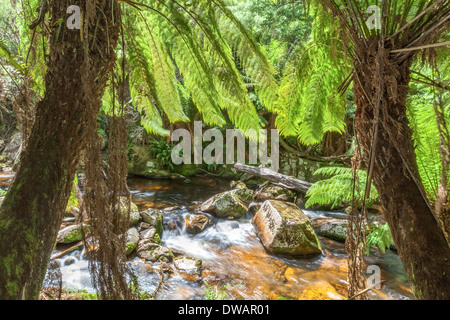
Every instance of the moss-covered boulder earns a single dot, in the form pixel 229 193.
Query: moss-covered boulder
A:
pixel 153 218
pixel 154 252
pixel 143 164
pixel 335 229
pixel 134 211
pixel 244 194
pixel 69 234
pixel 187 170
pixel 238 185
pixel 132 240
pixel 270 191
pixel 284 229
pixel 189 268
pixel 226 205
pixel 150 234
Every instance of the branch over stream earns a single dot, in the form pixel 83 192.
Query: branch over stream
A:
pixel 274 177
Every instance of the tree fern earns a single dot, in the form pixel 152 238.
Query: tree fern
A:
pixel 309 104
pixel 203 40
pixel 336 189
pixel 422 117
pixel 425 134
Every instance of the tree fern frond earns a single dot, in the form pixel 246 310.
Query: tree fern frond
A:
pixel 309 104
pixel 196 41
pixel 336 189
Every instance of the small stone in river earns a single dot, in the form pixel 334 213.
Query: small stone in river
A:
pixel 69 261
pixel 189 268
pixel 197 223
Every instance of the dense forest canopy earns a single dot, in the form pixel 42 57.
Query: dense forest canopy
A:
pixel 369 99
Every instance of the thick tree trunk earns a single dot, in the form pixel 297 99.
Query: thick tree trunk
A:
pixel 32 211
pixel 417 234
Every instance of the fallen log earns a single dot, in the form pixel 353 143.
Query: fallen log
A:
pixel 274 177
pixel 63 253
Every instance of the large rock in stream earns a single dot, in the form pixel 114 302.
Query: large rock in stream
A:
pixel 269 191
pixel 284 229
pixel 134 212
pixel 153 218
pixel 70 234
pixel 13 148
pixel 335 229
pixel 229 204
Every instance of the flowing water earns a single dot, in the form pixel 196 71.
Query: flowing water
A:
pixel 233 256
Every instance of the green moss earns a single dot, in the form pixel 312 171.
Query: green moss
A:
pixel 159 224
pixel 130 247
pixel 83 294
pixel 73 200
pixel 19 269
pixel 157 238
pixel 198 265
pixel 74 236
pixel 171 255
pixel 12 288
pixel 8 262
pixel 187 170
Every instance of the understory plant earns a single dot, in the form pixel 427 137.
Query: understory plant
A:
pixel 336 189
pixel 379 237
pixel 219 293
pixel 163 151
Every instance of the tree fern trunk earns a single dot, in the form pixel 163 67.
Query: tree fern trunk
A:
pixel 31 213
pixel 417 234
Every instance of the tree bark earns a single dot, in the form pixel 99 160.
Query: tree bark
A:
pixel 421 244
pixel 78 65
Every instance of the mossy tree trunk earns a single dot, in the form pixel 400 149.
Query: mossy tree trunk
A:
pixel 418 236
pixel 78 65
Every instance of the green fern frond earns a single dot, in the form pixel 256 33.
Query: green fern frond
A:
pixel 379 237
pixel 309 104
pixel 203 40
pixel 336 189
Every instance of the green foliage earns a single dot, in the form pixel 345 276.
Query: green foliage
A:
pixel 421 105
pixel 278 29
pixel 73 200
pixel 138 293
pixel 380 238
pixel 8 27
pixel 163 152
pixel 83 294
pixel 31 47
pixel 9 57
pixel 216 293
pixel 309 104
pixel 337 189
pixel 269 21
pixel 194 44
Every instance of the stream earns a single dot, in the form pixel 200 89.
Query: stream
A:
pixel 233 256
